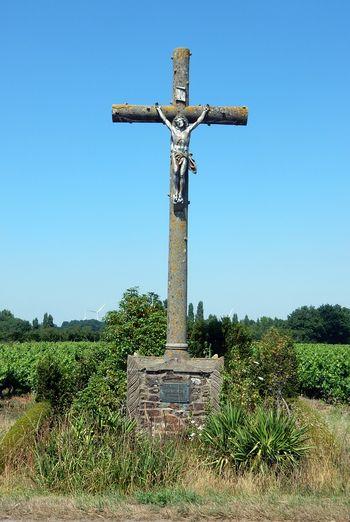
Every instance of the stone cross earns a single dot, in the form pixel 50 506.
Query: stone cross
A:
pixel 176 344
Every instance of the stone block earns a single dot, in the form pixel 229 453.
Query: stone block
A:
pixel 191 387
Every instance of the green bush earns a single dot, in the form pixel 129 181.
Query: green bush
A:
pixel 260 372
pixel 138 326
pixel 61 376
pixel 104 394
pixel 324 371
pixel 219 434
pixel 240 385
pixel 270 438
pixel 22 433
pixel 254 441
pixel 276 366
pixel 55 381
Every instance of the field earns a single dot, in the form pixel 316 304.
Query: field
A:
pixel 324 369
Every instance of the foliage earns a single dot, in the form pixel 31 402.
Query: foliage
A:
pixel 91 379
pixel 240 377
pixel 48 321
pixel 200 312
pixel 276 366
pixel 104 393
pixel 254 441
pixel 165 497
pixel 190 315
pixel 22 432
pixel 81 455
pixel 56 380
pixel 324 371
pixel 261 371
pixel 325 324
pixel 138 326
pixel 18 362
pixel 198 342
pixel 13 329
pixel 270 438
pixel 219 433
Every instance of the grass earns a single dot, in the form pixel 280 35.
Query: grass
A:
pixel 215 507
pixel 319 489
pixel 10 409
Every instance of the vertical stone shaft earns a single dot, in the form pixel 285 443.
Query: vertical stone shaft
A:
pixel 177 269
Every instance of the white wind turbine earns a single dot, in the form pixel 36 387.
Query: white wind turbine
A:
pixel 97 311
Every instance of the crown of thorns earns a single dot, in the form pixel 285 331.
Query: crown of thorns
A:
pixel 180 117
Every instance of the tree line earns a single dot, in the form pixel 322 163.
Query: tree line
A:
pixel 14 329
pixel 327 323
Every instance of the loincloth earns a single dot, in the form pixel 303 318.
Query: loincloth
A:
pixel 180 157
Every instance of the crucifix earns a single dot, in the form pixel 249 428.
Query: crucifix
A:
pixel 181 119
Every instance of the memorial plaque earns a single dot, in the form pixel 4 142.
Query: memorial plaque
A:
pixel 175 392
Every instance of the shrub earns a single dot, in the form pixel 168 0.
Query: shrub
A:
pixel 270 438
pixel 276 366
pixel 61 377
pixel 55 381
pixel 22 433
pixel 138 326
pixel 103 395
pixel 256 441
pixel 220 432
pixel 240 386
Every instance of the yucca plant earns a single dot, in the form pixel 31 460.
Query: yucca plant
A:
pixel 264 439
pixel 219 433
pixel 270 439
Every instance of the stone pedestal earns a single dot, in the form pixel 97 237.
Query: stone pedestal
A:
pixel 165 395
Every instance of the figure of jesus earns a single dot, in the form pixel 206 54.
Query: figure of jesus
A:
pixel 181 158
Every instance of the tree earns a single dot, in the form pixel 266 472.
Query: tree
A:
pixel 139 325
pixel 335 324
pixel 198 345
pixel 215 335
pixel 12 328
pixel 306 325
pixel 190 316
pixel 200 311
pixel 5 315
pixel 35 324
pixel 234 319
pixel 48 321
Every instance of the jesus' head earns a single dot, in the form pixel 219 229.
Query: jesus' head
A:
pixel 181 122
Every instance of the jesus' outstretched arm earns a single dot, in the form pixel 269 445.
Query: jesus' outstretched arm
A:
pixel 162 116
pixel 200 119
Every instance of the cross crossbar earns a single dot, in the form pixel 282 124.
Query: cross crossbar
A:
pixel 126 113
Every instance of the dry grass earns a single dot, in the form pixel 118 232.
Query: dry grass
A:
pixel 272 508
pixel 10 409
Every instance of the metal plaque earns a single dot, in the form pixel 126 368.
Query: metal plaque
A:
pixel 177 392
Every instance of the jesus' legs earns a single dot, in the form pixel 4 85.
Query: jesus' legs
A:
pixel 183 170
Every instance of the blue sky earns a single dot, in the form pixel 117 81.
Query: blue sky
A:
pixel 83 202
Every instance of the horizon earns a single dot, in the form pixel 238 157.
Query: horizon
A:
pixel 206 315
